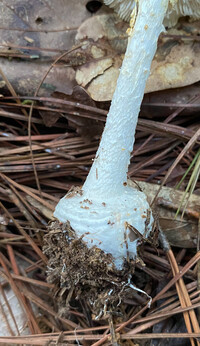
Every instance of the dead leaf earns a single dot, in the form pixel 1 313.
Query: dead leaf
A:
pixel 12 314
pixel 168 97
pixel 49 118
pixel 180 232
pixel 33 34
pixel 176 62
pixel 87 128
pixel 7 324
pixel 85 75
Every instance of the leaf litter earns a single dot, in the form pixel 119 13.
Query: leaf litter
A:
pixel 66 125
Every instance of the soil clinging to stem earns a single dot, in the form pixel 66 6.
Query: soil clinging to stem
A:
pixel 85 274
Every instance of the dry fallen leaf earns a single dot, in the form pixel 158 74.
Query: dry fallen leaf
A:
pixel 7 326
pixel 33 34
pixel 180 232
pixel 12 315
pixel 176 62
pixel 87 128
pixel 159 103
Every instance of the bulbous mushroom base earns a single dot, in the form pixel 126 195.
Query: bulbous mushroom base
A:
pixel 86 276
pixel 113 224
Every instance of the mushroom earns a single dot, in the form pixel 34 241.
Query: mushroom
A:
pixel 106 212
pixel 180 8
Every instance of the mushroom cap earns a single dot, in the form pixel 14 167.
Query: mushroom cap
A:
pixel 180 8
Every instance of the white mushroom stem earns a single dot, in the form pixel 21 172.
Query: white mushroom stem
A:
pixel 104 207
pixel 113 156
pixel 176 9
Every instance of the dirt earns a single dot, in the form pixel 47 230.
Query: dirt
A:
pixel 82 274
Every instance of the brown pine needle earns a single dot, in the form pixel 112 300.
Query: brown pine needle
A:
pixel 184 299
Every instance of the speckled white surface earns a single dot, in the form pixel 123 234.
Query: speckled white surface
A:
pixel 106 203
pixel 103 221
pixel 113 156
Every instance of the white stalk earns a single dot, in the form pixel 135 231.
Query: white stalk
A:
pixel 113 156
pixel 106 204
